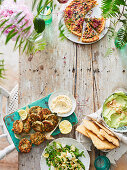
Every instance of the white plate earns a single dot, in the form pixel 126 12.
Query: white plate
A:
pixel 63 92
pixel 68 141
pixel 95 12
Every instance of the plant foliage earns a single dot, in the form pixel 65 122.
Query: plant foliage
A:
pixel 111 8
pixel 118 10
pixel 2 68
pixel 61 30
pixel 27 44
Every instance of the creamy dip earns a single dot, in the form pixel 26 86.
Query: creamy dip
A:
pixel 61 104
pixel 115 110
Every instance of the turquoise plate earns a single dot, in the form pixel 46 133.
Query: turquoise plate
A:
pixel 9 119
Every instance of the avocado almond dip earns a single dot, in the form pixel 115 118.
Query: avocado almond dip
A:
pixel 115 110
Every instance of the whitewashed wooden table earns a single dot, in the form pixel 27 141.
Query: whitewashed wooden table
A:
pixel 81 69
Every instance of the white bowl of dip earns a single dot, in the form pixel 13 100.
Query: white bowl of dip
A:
pixel 62 102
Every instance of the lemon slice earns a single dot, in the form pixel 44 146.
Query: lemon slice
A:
pixel 48 11
pixel 23 114
pixel 65 127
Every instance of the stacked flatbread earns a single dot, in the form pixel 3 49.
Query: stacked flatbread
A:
pixel 101 137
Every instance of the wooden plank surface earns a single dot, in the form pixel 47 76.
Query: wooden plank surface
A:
pixel 42 74
pixel 81 69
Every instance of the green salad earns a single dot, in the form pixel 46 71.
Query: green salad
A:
pixel 63 157
pixel 115 110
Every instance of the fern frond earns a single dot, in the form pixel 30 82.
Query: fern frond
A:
pixel 121 38
pixel 111 8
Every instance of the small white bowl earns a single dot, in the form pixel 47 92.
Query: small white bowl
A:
pixel 62 92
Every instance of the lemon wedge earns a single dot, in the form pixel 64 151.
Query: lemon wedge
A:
pixel 48 12
pixel 65 127
pixel 23 114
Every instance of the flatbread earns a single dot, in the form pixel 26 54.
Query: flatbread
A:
pixel 93 127
pixel 81 129
pixel 110 138
pixel 99 144
pixel 104 128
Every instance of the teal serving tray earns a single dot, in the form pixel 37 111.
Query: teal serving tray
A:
pixel 9 119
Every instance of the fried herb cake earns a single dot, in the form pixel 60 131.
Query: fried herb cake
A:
pixel 37 138
pixel 25 145
pixel 17 127
pixel 26 126
pixel 44 112
pixel 38 126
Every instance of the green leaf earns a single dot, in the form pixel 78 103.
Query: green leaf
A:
pixel 55 6
pixel 20 43
pixel 125 15
pixel 16 42
pixel 3 23
pixel 40 5
pixel 18 14
pixel 24 48
pixel 24 24
pixel 6 28
pixel 2 69
pixel 61 30
pixel 10 35
pixel 124 21
pixel 26 29
pixel 21 19
pixel 33 4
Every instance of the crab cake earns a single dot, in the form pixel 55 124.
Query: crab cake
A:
pixel 25 145
pixel 53 118
pixel 44 113
pixel 37 138
pixel 48 125
pixel 26 126
pixel 38 126
pixel 17 127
